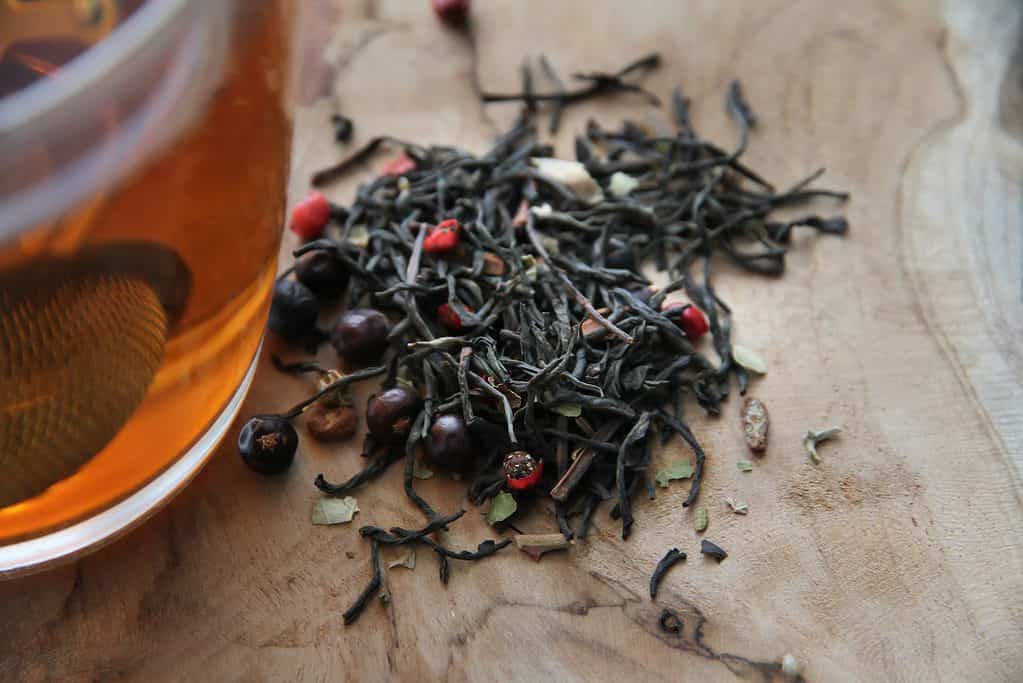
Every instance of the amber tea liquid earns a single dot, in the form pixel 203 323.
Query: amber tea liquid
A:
pixel 127 325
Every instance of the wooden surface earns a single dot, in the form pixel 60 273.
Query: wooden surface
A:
pixel 899 557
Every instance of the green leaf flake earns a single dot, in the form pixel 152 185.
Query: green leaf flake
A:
pixel 421 471
pixel 334 510
pixel 748 359
pixel 569 409
pixel 813 437
pixel 680 469
pixel 701 519
pixel 502 507
pixel 744 466
pixel 358 236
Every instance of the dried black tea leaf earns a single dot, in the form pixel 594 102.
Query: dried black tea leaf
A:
pixel 667 562
pixel 712 550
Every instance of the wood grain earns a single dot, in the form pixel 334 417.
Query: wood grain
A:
pixel 899 557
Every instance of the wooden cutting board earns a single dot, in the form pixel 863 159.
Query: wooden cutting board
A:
pixel 899 557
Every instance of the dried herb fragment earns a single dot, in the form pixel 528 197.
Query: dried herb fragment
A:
pixel 333 424
pixel 622 184
pixel 814 437
pixel 669 560
pixel 744 466
pixel 701 519
pixel 748 359
pixel 502 507
pixel 420 471
pixel 334 510
pixel 493 264
pixel 569 409
pixel 755 423
pixel 737 507
pixel 712 550
pixel 790 666
pixel 572 175
pixel 407 560
pixel 536 545
pixel 358 236
pixel 680 469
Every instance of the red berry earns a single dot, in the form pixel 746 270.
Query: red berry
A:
pixel 399 165
pixel 694 323
pixel 689 318
pixel 310 216
pixel 521 470
pixel 451 11
pixel 449 318
pixel 442 238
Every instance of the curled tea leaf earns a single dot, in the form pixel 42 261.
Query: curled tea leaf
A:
pixel 502 507
pixel 744 466
pixel 748 359
pixel 701 519
pixel 335 510
pixel 680 469
pixel 814 437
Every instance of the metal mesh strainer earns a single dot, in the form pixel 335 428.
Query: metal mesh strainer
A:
pixel 80 342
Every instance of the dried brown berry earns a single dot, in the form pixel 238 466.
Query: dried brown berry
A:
pixel 332 424
pixel 449 444
pixel 322 272
pixel 389 414
pixel 360 335
pixel 754 423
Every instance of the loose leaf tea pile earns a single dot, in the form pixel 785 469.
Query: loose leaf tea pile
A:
pixel 528 351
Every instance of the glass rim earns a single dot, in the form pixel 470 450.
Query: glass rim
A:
pixel 59 546
pixel 163 62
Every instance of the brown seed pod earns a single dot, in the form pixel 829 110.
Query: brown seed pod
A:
pixel 332 424
pixel 754 423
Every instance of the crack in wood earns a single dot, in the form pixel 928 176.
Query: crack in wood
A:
pixel 645 614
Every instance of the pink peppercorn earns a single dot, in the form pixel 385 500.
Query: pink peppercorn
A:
pixel 399 165
pixel 442 238
pixel 310 216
